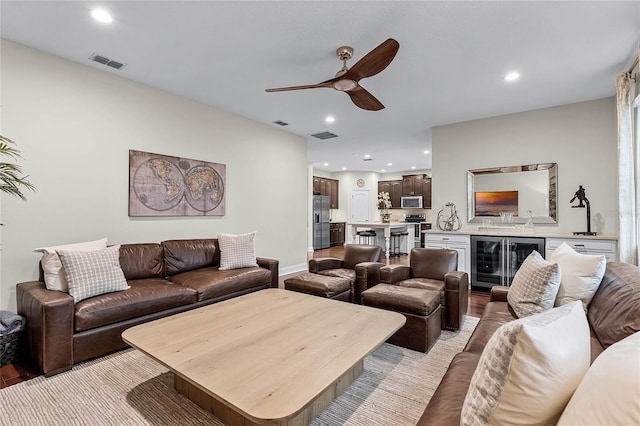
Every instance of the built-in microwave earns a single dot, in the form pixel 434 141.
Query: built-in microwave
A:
pixel 411 202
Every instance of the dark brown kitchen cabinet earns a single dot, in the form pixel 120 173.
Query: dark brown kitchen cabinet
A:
pixel 426 193
pixel 334 195
pixel 412 185
pixel 417 185
pixel 328 187
pixel 394 188
pixel 337 233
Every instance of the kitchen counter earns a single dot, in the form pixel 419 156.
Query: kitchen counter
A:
pixel 518 232
pixel 386 227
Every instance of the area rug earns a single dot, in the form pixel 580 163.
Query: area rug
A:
pixel 128 388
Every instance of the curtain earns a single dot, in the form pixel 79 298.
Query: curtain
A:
pixel 628 167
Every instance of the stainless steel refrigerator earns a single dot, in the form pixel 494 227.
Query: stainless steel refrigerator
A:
pixel 320 222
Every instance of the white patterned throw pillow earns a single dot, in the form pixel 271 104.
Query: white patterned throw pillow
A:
pixel 54 275
pixel 529 369
pixel 91 273
pixel 237 251
pixel 534 286
pixel 581 274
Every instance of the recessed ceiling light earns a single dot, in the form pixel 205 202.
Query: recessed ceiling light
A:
pixel 427 151
pixel 512 76
pixel 344 168
pixel 367 156
pixel 102 16
pixel 329 119
pixel 389 164
pixel 326 164
pixel 382 170
pixel 413 167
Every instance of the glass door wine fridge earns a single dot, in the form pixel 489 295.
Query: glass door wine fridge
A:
pixel 495 259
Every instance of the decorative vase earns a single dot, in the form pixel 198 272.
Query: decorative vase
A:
pixel 386 217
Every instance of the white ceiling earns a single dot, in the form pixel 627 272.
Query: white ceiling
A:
pixel 450 66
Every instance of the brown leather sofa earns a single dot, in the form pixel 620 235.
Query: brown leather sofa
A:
pixel 167 278
pixel 434 269
pixel 614 313
pixel 359 265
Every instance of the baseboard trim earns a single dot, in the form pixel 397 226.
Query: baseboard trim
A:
pixel 293 269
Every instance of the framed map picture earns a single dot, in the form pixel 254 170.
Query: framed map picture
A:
pixel 161 185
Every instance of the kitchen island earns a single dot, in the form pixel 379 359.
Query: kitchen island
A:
pixel 387 228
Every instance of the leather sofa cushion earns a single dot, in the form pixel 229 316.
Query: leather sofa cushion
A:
pixel 348 274
pixel 432 263
pixel 357 253
pixel 187 255
pixel 426 284
pixel 144 297
pixel 142 261
pixel 405 300
pixel 317 284
pixel 614 312
pixel 495 314
pixel 445 405
pixel 212 282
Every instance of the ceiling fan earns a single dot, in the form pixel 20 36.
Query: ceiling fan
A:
pixel 347 79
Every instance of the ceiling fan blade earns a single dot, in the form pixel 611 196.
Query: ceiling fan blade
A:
pixel 308 86
pixel 373 62
pixel 364 99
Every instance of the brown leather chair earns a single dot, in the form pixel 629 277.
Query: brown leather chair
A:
pixel 434 269
pixel 360 265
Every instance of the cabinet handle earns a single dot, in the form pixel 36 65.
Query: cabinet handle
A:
pixel 445 239
pixel 579 245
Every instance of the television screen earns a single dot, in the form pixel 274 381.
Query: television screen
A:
pixel 492 203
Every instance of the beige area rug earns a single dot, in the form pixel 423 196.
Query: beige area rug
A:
pixel 128 388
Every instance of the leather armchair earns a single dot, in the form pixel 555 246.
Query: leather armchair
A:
pixel 434 269
pixel 360 265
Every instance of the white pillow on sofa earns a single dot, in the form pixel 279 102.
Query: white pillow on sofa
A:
pixel 91 273
pixel 609 393
pixel 581 274
pixel 54 276
pixel 534 286
pixel 529 369
pixel 237 251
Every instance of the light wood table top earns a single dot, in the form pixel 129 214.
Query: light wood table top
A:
pixel 269 356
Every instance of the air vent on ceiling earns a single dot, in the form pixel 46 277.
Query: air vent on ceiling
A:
pixel 280 123
pixel 367 159
pixel 324 135
pixel 106 61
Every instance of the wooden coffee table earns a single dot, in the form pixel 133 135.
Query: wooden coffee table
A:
pixel 269 357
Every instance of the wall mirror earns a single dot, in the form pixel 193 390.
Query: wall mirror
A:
pixel 515 190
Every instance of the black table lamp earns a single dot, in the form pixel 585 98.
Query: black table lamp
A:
pixel 580 195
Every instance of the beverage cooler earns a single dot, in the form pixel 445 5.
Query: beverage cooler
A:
pixel 496 259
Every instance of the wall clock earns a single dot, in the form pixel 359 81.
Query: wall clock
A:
pixel 360 183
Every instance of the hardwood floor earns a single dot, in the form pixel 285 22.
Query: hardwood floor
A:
pixel 22 371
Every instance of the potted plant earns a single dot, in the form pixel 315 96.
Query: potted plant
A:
pixel 11 179
pixel 384 203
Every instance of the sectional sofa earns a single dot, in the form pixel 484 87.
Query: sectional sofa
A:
pixel 613 315
pixel 163 278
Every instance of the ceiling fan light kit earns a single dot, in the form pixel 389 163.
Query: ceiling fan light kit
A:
pixel 348 80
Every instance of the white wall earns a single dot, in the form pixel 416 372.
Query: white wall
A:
pixel 580 137
pixel 75 125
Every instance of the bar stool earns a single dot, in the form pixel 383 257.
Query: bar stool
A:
pixel 395 242
pixel 369 236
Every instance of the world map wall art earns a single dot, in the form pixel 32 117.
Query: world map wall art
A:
pixel 161 185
